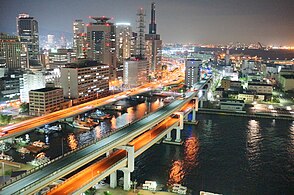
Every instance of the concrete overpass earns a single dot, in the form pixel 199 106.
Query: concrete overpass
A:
pixel 33 181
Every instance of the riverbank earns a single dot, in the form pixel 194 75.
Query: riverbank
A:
pixel 244 114
pixel 102 189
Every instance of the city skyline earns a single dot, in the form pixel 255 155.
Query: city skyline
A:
pixel 207 22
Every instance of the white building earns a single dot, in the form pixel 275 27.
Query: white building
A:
pixel 192 72
pixel 228 104
pixel 31 81
pixel 135 72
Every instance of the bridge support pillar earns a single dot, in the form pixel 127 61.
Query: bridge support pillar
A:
pixel 195 108
pixel 168 137
pixel 178 135
pixel 201 104
pixel 181 122
pixel 130 167
pixel 127 180
pixel 113 180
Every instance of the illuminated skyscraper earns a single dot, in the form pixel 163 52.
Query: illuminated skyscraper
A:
pixel 153 44
pixel 135 69
pixel 192 71
pixel 123 41
pixel 101 43
pixel 141 33
pixel 12 52
pixel 27 29
pixel 85 80
pixel 80 38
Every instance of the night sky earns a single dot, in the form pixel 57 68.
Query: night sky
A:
pixel 182 21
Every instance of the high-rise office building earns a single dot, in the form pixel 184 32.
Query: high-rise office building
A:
pixel 123 41
pixel 85 80
pixel 135 72
pixel 192 72
pixel 133 49
pixel 101 40
pixel 27 29
pixel 50 39
pixel 135 69
pixel 12 52
pixel 153 44
pixel 141 32
pixel 79 39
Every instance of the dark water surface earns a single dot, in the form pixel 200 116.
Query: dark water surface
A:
pixel 228 155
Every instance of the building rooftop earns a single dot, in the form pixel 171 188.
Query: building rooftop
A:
pixel 290 76
pixel 219 89
pixel 260 84
pixel 46 89
pixel 83 64
pixel 231 100
pixel 192 59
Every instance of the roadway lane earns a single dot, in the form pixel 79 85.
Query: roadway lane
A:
pixel 73 159
pixel 27 125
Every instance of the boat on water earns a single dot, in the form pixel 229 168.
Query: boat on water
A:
pixel 39 159
pixel 49 129
pixel 39 144
pixel 168 99
pixel 80 125
pixel 99 115
pixel 23 150
pixel 5 157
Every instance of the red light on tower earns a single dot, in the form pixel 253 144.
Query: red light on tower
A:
pixel 107 24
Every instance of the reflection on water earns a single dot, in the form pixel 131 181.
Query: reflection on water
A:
pixel 130 115
pixel 292 138
pixel 72 142
pixel 113 122
pixel 253 138
pixel 98 132
pixel 191 152
pixel 176 173
pixel 180 168
pixel 156 104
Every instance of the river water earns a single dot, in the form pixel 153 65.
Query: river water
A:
pixel 222 154
pixel 227 155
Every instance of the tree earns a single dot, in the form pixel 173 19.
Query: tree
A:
pixel 5 119
pixel 24 107
pixel 90 191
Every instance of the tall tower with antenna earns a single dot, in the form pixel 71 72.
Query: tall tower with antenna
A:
pixel 141 32
pixel 153 45
pixel 152 25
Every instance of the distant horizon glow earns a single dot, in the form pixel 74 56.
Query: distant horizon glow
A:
pixel 269 22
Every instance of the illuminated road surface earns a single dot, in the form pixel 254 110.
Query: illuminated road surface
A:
pixel 89 173
pixel 73 158
pixel 27 125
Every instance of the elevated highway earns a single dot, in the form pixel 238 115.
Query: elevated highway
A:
pixel 32 182
pixel 57 169
pixel 27 125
